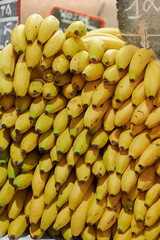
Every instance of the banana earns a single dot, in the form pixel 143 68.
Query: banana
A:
pixel 124 113
pixel 152 214
pixel 138 94
pixel 150 155
pixel 58 125
pixel 8 58
pixel 12 170
pixel 91 35
pixel 49 25
pixel 129 178
pixel 15 206
pixel 54 44
pixel 124 220
pixel 18 39
pixel 54 155
pixel 138 145
pixel 124 56
pixel 142 111
pixel 101 188
pixel 113 200
pixel 17 226
pixel 93 115
pixel 122 162
pixel 114 136
pixel 99 139
pixel 3 175
pixel 66 232
pixel 63 217
pixel 32 25
pixel 36 208
pixel 112 74
pixel 78 192
pixel 50 191
pixel 153 193
pixel 4 223
pixel 137 168
pixel 88 233
pixel 22 104
pixel 93 71
pixel 110 30
pixel 60 64
pixel 126 235
pixel 151 233
pixel 150 178
pixel 83 171
pixel 136 129
pixel 75 107
pixel 72 45
pixel 4 156
pixel 9 118
pixel 76 29
pixel 87 92
pixel 108 121
pixel 46 63
pixel 62 172
pixel 7 102
pixel 153 118
pixel 64 141
pixel 65 190
pixel 109 157
pixel 49 215
pixel 109 217
pixel 78 82
pixel 102 93
pixel 35 231
pixel 30 161
pixel 95 210
pixel 132 195
pixel 48 119
pixel 48 75
pixel 125 140
pixel 91 155
pixel 81 142
pixel 96 50
pixel 109 57
pixel 36 108
pixel 15 153
pixel 23 180
pixel 98 168
pixel 81 212
pixel 156 100
pixel 15 136
pixel 49 90
pixel 55 104
pixel 116 105
pixel 140 209
pixel 24 123
pixel 33 54
pixel 45 163
pixel 7 192
pixel 136 227
pixel 38 181
pixel 105 235
pixel 4 141
pixel 29 141
pixel 27 204
pixel 114 183
pixel 71 158
pixel 37 72
pixel 79 61
pixel 46 142
pixel 61 80
pixel 140 59
pixel 21 78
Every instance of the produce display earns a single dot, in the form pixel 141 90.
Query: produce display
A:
pixel 79 134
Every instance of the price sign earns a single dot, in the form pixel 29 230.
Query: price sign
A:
pixel 138 22
pixel 66 17
pixel 9 18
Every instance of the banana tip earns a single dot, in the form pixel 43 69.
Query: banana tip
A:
pixel 12 236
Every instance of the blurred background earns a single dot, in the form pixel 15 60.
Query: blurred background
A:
pixel 105 9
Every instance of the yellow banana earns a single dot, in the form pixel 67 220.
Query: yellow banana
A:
pixel 79 61
pixel 112 75
pixel 109 57
pixel 4 139
pixel 7 192
pixel 72 45
pixel 140 59
pixel 91 155
pixel 114 136
pixel 83 171
pixel 136 227
pixel 93 71
pixel 7 102
pixel 71 158
pixel 46 141
pixel 98 167
pixel 35 231
pixel 150 178
pixel 4 155
pixel 96 49
pixel 64 141
pixel 21 78
pixel 32 25
pixel 18 39
pixel 81 212
pixel 138 94
pixel 114 183
pixel 62 172
pixel 156 100
pixel 78 82
pixel 45 163
pixel 124 220
pixel 136 129
pixel 61 80
pixel 50 189
pixel 140 209
pixel 37 107
pixel 101 188
pixel 33 54
pixel 55 104
pixel 49 25
pixel 8 58
pixel 27 204
pixel 24 123
pixel 48 75
pixel 12 170
pixel 66 232
pixel 110 30
pixel 9 118
pixel 105 235
pixel 122 162
pixel 36 208
pixel 54 44
pixel 109 157
pixel 23 180
pixel 15 153
pixel 99 139
pixel 29 141
pixel 125 140
pixel 124 56
pixel 108 121
pixel 48 119
pixel 153 118
pixel 49 90
pixel 3 175
pixel 88 233
pixel 60 64
pixel 22 104
pixel 4 223
pixel 46 63
pixel 116 105
pixel 153 193
pixel 63 217
pixel 113 200
pixel 38 181
pixel 76 125
pixel 30 161
pixel 126 235
pixel 75 107
pixel 127 204
pixel 152 214
pixel 76 29
pixel 151 233
pixel 54 155
pixel 17 226
pixel 58 125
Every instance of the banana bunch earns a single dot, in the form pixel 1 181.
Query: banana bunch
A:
pixel 79 134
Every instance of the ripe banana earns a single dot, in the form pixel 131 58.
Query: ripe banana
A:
pixel 91 155
pixel 64 141
pixel 33 54
pixel 4 223
pixel 136 129
pixel 30 161
pixel 68 91
pixel 49 90
pixel 23 122
pixel 113 200
pixel 48 75
pixel 96 50
pixel 98 168
pixel 76 125
pixel 151 233
pixel 35 231
pixel 114 136
pixel 7 102
pixel 71 158
pixel 136 227
pixel 18 39
pixel 122 162
pixel 55 104
pixel 15 153
pixel 109 157
pixel 99 139
pixel 6 85
pixel 12 170
pixel 105 235
pixel 88 232
pixel 50 191
pixel 78 82
pixel 101 188
pixel 58 125
pixel 109 57
pixel 60 64
pixel 46 142
pixel 66 232
pixel 62 172
pixel 125 140
pixel 36 108
pixel 54 155
pixel 140 209
pixel 29 141
pixel 150 178
pixel 153 194
pixel 22 104
pixel 3 175
pixel 93 71
pixel 7 192
pixel 83 171
pixel 23 180
pixel 152 214
pixel 9 118
pixel 79 61
pixel 61 80
pixel 112 74
pixel 46 63
pixel 138 94
pixel 124 220
pixel 153 118
pixel 114 183
pixel 76 29
pixel 45 163
pixel 44 118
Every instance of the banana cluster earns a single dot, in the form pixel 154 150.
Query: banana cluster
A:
pixel 79 134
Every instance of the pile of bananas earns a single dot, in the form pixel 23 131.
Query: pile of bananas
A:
pixel 79 134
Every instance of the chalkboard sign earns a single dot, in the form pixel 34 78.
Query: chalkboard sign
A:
pixel 66 17
pixel 9 18
pixel 138 22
